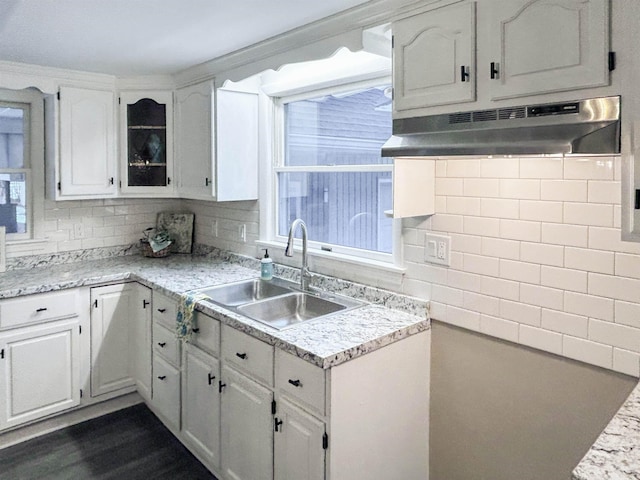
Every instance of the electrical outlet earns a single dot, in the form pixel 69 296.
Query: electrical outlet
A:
pixel 78 230
pixel 242 233
pixel 437 249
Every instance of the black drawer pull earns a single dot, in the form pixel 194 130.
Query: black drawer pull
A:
pixel 295 383
pixel 162 344
pixel 211 378
pixel 221 386
pixel 162 377
pixel 278 424
pixel 494 70
pixel 243 356
pixel 162 310
pixel 195 330
pixel 43 309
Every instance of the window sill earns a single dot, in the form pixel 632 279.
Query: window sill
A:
pixel 371 272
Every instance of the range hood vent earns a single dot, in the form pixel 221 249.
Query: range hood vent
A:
pixel 586 127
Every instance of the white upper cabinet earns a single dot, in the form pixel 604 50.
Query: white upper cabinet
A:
pixel 194 141
pixel 434 58
pixel 217 143
pixel 523 48
pixel 87 163
pixel 544 46
pixel 237 145
pixel 146 138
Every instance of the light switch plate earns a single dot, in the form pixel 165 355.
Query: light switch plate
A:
pixel 437 249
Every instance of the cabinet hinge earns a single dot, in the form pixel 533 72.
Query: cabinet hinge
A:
pixel 2 354
pixel 168 180
pixel 119 100
pixel 95 303
pixel 612 61
pixel 80 329
pixel 58 95
pixel 325 441
pixel 273 407
pixel 120 184
pixel 393 41
pixel 637 199
pixel 81 393
pixel 59 186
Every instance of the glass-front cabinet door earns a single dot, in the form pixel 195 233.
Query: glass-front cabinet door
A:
pixel 147 150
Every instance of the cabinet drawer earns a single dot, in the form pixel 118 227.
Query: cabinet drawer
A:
pixel 206 333
pixel 43 307
pixel 166 344
pixel 248 354
pixel 166 391
pixel 300 380
pixel 165 310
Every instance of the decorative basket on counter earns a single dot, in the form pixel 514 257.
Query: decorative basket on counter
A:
pixel 160 237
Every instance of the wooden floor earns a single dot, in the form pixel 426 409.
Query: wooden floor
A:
pixel 129 444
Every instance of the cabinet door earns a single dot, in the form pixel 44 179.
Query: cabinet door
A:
pixel 246 428
pixel 111 320
pixel 40 372
pixel 201 403
pixel 194 141
pixel 147 142
pixel 298 443
pixel 87 144
pixel 434 58
pixel 542 46
pixel 237 145
pixel 166 392
pixel 140 345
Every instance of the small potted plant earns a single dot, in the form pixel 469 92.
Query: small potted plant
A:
pixel 155 243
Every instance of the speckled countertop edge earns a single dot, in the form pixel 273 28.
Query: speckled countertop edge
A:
pixel 615 455
pixel 324 342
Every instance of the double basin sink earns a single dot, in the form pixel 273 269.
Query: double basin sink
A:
pixel 278 303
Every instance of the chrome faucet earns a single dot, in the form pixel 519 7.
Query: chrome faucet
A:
pixel 305 274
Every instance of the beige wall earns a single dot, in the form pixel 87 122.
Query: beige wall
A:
pixel 503 412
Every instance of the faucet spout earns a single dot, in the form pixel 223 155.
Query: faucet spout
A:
pixel 305 274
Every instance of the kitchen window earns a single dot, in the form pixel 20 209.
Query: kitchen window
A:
pixel 330 172
pixel 15 171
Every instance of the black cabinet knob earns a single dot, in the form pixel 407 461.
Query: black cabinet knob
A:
pixel 162 344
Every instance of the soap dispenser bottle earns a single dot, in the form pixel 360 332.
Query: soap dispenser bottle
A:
pixel 266 266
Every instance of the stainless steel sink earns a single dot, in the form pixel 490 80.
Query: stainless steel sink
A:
pixel 277 303
pixel 288 310
pixel 239 293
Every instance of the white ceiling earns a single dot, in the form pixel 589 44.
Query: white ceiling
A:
pixel 145 37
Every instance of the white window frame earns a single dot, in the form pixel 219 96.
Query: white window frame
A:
pixel 354 255
pixel 32 102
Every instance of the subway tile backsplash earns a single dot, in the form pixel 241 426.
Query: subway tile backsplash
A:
pixel 545 242
pixel 536 254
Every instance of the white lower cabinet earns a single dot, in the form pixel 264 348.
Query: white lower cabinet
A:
pixel 247 427
pixel 166 392
pixel 40 373
pixel 299 444
pixel 111 356
pixel 201 404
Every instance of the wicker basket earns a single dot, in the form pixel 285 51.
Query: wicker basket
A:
pixel 147 251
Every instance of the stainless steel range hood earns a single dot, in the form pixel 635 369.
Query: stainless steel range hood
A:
pixel 586 127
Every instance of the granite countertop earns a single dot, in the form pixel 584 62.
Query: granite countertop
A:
pixel 326 342
pixel 616 453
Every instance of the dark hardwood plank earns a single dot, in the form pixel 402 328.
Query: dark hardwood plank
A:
pixel 130 444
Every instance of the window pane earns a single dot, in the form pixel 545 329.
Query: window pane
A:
pixel 339 208
pixel 341 129
pixel 13 202
pixel 11 137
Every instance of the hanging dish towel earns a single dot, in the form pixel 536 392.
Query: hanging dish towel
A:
pixel 184 318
